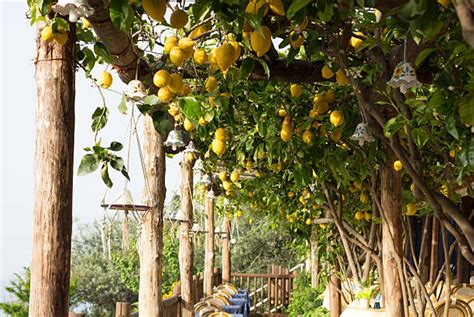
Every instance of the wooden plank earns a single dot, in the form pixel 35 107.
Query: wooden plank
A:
pixel 260 275
pixel 269 305
pixel 261 295
pixel 254 294
pixel 123 309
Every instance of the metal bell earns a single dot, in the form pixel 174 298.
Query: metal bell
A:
pixel 74 9
pixel 362 134
pixel 174 140
pixel 135 90
pixel 404 77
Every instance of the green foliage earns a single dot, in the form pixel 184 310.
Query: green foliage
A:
pixel 19 288
pixel 305 300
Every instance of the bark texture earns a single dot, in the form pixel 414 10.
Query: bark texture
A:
pixel 392 229
pixel 209 256
pixel 226 264
pixel 334 294
pixel 314 257
pixel 55 91
pixel 150 244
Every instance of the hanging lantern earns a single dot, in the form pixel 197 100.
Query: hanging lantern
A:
pixel 74 9
pixel 135 90
pixel 362 134
pixel 174 140
pixel 404 77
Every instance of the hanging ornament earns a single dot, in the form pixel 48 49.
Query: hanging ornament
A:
pixel 210 194
pixel 191 152
pixel 206 180
pixel 362 134
pixel 174 140
pixel 179 216
pixel 135 91
pixel 404 77
pixel 74 9
pixel 196 227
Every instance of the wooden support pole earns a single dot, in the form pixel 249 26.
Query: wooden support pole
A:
pixel 434 257
pixel 123 309
pixel 334 294
pixel 226 264
pixel 73 314
pixel 185 239
pixel 150 242
pixel 314 257
pixel 209 255
pixel 391 229
pixel 55 119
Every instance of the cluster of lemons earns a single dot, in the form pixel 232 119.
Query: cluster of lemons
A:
pixel 227 182
pixel 49 35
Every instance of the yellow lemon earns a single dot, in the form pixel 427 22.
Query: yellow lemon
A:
pixel 364 198
pixel 411 210
pixel 218 147
pixel 323 225
pixel 254 6
pixel 248 165
pixel 60 37
pixel 291 194
pixel 223 176
pixel 309 221
pixel 199 31
pixel 226 185
pixel 277 7
pixel 307 137
pixel 200 56
pixel 177 56
pixel 188 125
pixel 296 90
pixel 337 118
pixel 321 107
pixel 186 44
pixel 47 34
pixel 250 221
pixel 202 122
pixel 178 19
pixel 444 3
pixel 212 56
pixel 327 72
pixel 85 23
pixel 356 42
pixel 210 83
pixel 170 42
pixel 221 134
pixel 397 166
pixel 296 40
pixel 234 176
pixel 155 9
pixel 359 215
pixel 286 133
pixel 176 83
pixel 225 56
pixel 165 94
pixel 367 215
pixel 282 113
pixel 336 135
pixel 173 109
pixel 237 49
pixel 329 96
pixel 161 78
pixel 341 78
pixel 261 43
pixel 186 89
pixel 452 153
pixel 105 79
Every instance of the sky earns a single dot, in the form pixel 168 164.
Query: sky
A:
pixel 17 144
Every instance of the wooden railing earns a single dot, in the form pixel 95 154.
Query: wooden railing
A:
pixel 269 293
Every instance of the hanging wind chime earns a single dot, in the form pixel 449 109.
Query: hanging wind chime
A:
pixel 404 76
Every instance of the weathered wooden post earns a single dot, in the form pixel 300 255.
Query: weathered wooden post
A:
pixel 123 309
pixel 73 314
pixel 185 239
pixel 209 254
pixel 334 293
pixel 314 256
pixel 55 119
pixel 226 264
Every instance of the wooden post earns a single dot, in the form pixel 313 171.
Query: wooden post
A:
pixel 434 250
pixel 55 119
pixel 314 257
pixel 226 264
pixel 185 240
pixel 209 255
pixel 334 294
pixel 73 314
pixel 391 227
pixel 123 309
pixel 150 242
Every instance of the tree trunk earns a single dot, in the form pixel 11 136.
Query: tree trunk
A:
pixel 392 227
pixel 334 294
pixel 185 240
pixel 55 90
pixel 314 257
pixel 150 244
pixel 209 256
pixel 226 264
pixel 434 250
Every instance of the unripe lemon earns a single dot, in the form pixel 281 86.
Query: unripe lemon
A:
pixel 225 56
pixel 105 79
pixel 364 198
pixel 296 90
pixel 223 176
pixel 397 166
pixel 155 9
pixel 367 216
pixel 411 210
pixel 261 43
pixel 218 147
pixel 210 83
pixel 221 134
pixel 341 78
pixel 188 125
pixel 359 215
pixel 85 23
pixel 234 176
pixel 178 19
pixel 286 133
pixel 47 34
pixel 200 56
pixel 177 56
pixel 226 185
pixel 296 40
pixel 165 94
pixel 161 78
pixel 327 72
pixel 336 118
pixel 309 221
pixel 176 83
pixel 60 37
pixel 170 42
pixel 277 7
pixel 307 137
pixel 356 42
pixel 329 96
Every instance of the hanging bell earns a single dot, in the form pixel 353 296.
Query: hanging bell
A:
pixel 206 180
pixel 362 134
pixel 196 228
pixel 404 76
pixel 179 216
pixel 125 198
pixel 74 9
pixel 174 140
pixel 210 194
pixel 191 149
pixel 135 90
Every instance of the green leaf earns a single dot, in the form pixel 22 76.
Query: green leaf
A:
pixel 191 107
pixel 265 66
pixel 161 122
pixel 151 100
pixel 122 107
pixel 121 14
pixel 393 125
pixel 466 111
pixel 420 136
pixel 115 146
pixel 423 55
pixel 246 68
pixel 101 51
pixel 451 127
pixel 296 6
pixel 44 6
pixel 117 163
pixel 89 164
pixel 99 118
pixel 326 14
pixel 104 173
